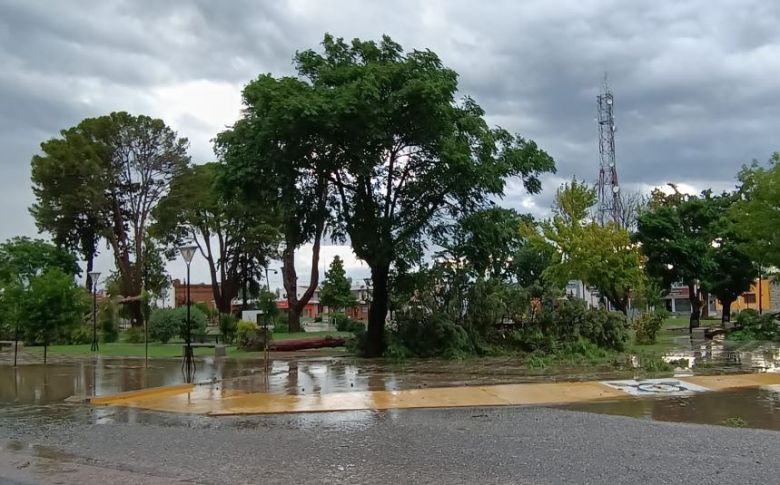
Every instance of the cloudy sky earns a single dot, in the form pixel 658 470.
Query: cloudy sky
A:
pixel 696 82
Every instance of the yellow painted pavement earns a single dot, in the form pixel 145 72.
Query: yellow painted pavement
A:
pixel 213 401
pixel 732 381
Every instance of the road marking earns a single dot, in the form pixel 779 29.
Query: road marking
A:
pixel 656 387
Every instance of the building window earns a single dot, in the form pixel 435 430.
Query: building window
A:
pixel 749 298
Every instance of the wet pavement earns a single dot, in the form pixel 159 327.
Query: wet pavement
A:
pixel 46 438
pixel 453 446
pixel 30 388
pixel 750 408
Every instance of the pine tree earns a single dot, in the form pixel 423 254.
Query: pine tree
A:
pixel 336 290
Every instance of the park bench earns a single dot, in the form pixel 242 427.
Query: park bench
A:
pixel 219 349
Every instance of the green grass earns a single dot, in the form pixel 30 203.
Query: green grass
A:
pixel 173 349
pixel 665 339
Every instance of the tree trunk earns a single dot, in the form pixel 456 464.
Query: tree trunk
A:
pixel 295 306
pixel 375 337
pixel 294 319
pixel 705 308
pixel 693 297
pixel 726 313
pixel 290 281
pixel 45 351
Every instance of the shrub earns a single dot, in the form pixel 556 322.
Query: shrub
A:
pixel 561 324
pixel 163 325
pixel 134 335
pixel 646 327
pixel 242 328
pixel 109 328
pixel 753 326
pixel 227 327
pixel 204 308
pixel 81 334
pixel 250 337
pixel 654 363
pixel 281 326
pixel 166 323
pixel 426 334
pixel 345 324
pixel 612 332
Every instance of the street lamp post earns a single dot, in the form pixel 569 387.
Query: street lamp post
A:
pixel 93 279
pixel 188 365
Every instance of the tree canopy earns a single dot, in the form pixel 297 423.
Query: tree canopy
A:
pixel 336 291
pixel 106 175
pixel 406 155
pixel 50 305
pixel 677 235
pixel 603 257
pixel 756 212
pixel 22 259
pixel 275 159
pixel 235 242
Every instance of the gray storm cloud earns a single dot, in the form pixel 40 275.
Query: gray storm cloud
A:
pixel 695 81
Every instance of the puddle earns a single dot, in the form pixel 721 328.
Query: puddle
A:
pixel 753 408
pixel 35 391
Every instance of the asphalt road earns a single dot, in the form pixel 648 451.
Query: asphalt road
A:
pixel 497 445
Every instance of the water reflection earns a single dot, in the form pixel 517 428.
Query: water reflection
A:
pixel 725 356
pixel 755 408
pixel 299 374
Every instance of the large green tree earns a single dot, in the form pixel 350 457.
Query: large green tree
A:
pixel 407 156
pixel 756 213
pixel 676 235
pixel 69 191
pixel 336 292
pixel 235 242
pixel 127 164
pixel 276 159
pixel 603 257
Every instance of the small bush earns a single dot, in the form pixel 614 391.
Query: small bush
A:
pixel 281 326
pixel 753 326
pixel 167 323
pixel 204 308
pixel 345 324
pixel 250 337
pixel 608 330
pixel 134 335
pixel 109 330
pixel 164 324
pixel 654 363
pixel 81 334
pixel 108 317
pixel 425 334
pixel 646 327
pixel 228 325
